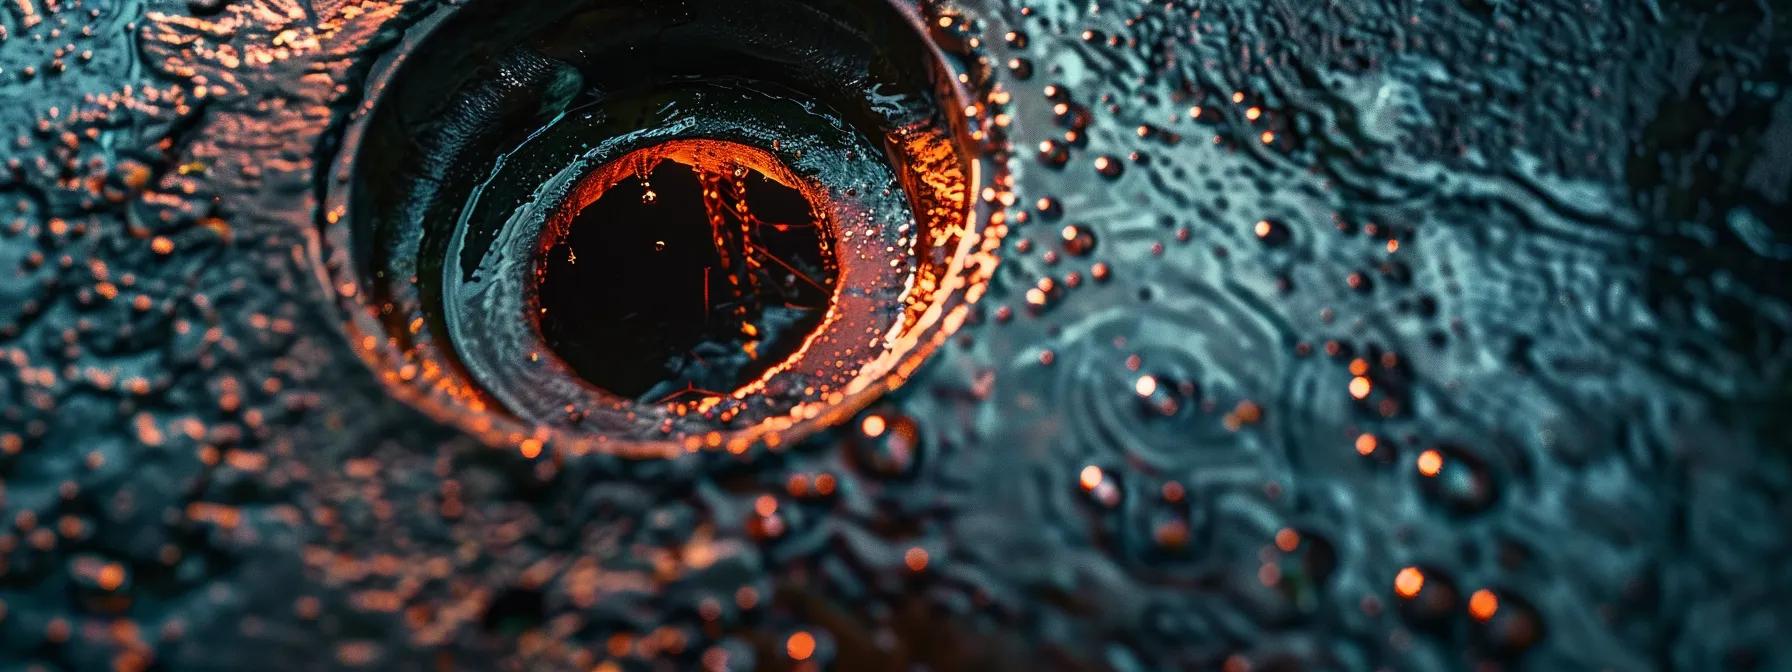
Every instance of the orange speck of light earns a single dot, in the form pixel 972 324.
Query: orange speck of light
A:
pixel 1146 386
pixel 1173 492
pixel 1359 366
pixel 1359 387
pixel 1287 540
pixel 1430 462
pixel 1409 582
pixel 1365 444
pixel 531 448
pixel 1247 412
pixel 873 426
pixel 800 646
pixel 1268 137
pixel 915 558
pixel 1262 228
pixel 1483 604
pixel 766 505
pixel 1091 477
pixel 112 576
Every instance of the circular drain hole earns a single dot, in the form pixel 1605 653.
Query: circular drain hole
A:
pixel 650 228
pixel 687 277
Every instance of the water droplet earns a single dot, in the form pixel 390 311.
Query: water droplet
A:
pixel 1078 240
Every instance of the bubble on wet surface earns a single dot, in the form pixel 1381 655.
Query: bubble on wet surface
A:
pixel 1424 336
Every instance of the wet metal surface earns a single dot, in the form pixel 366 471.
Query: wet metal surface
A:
pixel 1326 335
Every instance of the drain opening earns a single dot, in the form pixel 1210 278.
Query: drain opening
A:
pixel 487 234
pixel 688 277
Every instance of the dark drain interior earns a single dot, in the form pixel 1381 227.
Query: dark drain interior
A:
pixel 684 283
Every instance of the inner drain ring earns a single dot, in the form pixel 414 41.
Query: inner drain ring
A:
pixel 534 381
